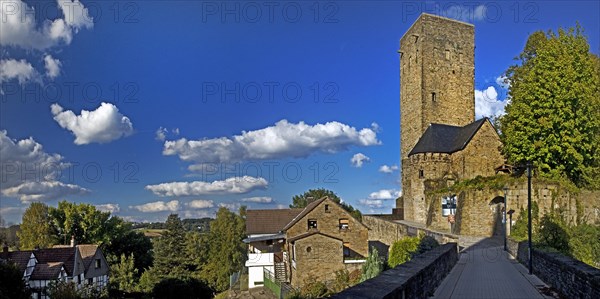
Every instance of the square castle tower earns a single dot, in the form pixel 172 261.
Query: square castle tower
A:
pixel 440 140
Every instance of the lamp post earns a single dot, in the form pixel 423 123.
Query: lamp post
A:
pixel 504 217
pixel 529 166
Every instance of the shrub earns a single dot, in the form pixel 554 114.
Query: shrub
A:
pixel 403 250
pixel 181 288
pixel 373 266
pixel 314 289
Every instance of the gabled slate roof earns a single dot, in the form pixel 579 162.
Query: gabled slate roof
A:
pixel 87 253
pixel 46 271
pixel 268 221
pixel 20 258
pixel 65 255
pixel 447 139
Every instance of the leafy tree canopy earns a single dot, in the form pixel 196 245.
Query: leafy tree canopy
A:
pixel 553 117
pixel 302 200
pixel 37 229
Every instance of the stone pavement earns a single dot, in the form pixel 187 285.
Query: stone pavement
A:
pixel 485 270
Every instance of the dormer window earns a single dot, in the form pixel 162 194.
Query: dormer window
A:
pixel 312 223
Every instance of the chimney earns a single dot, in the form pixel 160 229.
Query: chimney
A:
pixel 73 241
pixel 4 248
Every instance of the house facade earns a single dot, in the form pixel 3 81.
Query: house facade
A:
pixel 306 244
pixel 82 264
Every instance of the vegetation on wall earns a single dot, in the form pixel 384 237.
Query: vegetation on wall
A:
pixel 406 248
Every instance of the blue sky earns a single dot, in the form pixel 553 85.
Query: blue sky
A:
pixel 190 105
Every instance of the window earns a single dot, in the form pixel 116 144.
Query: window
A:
pixel 447 54
pixel 433 97
pixel 327 209
pixel 346 249
pixel 344 224
pixel 312 223
pixel 98 264
pixel 293 251
pixel 308 249
pixel 421 173
pixel 269 242
pixel 90 280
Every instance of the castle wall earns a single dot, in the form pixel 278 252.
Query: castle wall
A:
pixel 481 156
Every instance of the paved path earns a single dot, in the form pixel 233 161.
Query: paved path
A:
pixel 485 270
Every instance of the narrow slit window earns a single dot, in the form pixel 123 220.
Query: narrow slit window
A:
pixel 421 173
pixel 433 97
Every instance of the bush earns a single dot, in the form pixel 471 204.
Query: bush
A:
pixel 553 233
pixel 314 289
pixel 403 250
pixel 373 266
pixel 12 284
pixel 585 245
pixel 427 243
pixel 189 288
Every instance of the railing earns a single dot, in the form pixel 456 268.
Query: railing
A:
pixel 280 289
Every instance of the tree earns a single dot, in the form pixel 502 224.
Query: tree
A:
pixel 12 284
pixel 86 223
pixel 131 243
pixel 123 275
pixel 373 266
pixel 170 259
pixel 553 117
pixel 302 200
pixel 227 252
pixel 189 288
pixel 37 229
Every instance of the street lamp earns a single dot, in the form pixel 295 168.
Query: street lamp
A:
pixel 529 166
pixel 504 217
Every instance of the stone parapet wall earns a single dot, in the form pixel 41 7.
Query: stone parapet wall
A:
pixel 573 278
pixel 417 278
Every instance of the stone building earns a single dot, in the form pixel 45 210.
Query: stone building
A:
pixel 298 245
pixel 441 142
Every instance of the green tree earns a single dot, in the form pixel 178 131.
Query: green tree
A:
pixel 86 223
pixel 170 259
pixel 37 229
pixel 227 252
pixel 123 275
pixel 553 117
pixel 373 266
pixel 130 243
pixel 189 288
pixel 302 200
pixel 403 250
pixel 12 284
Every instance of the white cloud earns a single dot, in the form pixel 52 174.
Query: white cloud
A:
pixel 19 27
pixel 466 13
pixel 258 199
pixel 487 103
pixel 234 185
pixel 38 191
pixel 102 125
pixel 75 14
pixel 157 206
pixel 161 134
pixel 113 208
pixel 388 169
pixel 52 66
pixel 358 159
pixel 29 173
pixel 373 203
pixel 234 207
pixel 385 194
pixel 200 204
pixel 503 82
pixel 21 70
pixel 284 139
pixel 196 214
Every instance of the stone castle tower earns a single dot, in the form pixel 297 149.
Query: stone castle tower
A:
pixel 437 112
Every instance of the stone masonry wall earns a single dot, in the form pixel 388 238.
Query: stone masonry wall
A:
pixel 356 236
pixel 417 278
pixel 317 257
pixel 574 279
pixel 476 216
